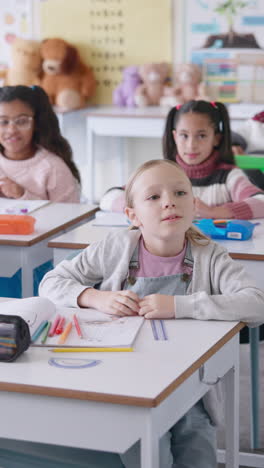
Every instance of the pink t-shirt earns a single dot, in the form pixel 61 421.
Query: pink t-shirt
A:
pixel 153 266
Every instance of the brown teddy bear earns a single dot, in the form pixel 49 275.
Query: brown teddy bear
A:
pixel 66 79
pixel 188 86
pixel 153 76
pixel 26 64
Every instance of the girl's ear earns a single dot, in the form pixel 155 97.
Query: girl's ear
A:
pixel 217 139
pixel 174 134
pixel 130 213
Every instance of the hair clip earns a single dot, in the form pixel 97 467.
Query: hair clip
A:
pixel 213 104
pixel 220 126
pixel 178 106
pixel 33 87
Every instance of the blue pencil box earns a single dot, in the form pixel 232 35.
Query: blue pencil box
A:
pixel 236 229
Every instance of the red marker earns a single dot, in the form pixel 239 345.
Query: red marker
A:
pixel 60 326
pixel 54 325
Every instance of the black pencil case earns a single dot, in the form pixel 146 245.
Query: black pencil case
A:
pixel 14 337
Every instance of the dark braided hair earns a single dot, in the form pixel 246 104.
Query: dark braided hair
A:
pixel 219 118
pixel 46 130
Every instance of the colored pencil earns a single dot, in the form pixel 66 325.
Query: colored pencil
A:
pixel 90 350
pixel 77 326
pixel 39 330
pixel 45 334
pixel 65 334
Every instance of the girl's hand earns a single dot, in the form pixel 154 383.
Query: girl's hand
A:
pixel 119 303
pixel 205 211
pixel 201 209
pixel 157 306
pixel 237 149
pixel 10 189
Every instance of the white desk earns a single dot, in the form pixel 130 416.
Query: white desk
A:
pixel 147 122
pixel 152 388
pixel 73 128
pixel 249 253
pixel 78 238
pixel 29 251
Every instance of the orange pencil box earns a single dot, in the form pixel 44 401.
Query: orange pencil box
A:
pixel 16 224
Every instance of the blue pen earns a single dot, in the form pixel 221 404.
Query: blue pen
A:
pixel 39 330
pixel 162 324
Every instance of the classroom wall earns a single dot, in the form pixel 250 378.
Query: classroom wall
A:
pixel 111 33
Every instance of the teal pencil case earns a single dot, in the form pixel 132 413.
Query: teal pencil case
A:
pixel 236 229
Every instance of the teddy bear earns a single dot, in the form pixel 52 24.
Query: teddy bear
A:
pixel 68 82
pixel 123 94
pixel 154 77
pixel 188 86
pixel 26 64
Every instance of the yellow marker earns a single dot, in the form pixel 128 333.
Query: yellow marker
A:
pixel 65 334
pixel 90 350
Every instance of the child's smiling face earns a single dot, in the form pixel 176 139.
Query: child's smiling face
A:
pixel 163 204
pixel 195 137
pixel 16 129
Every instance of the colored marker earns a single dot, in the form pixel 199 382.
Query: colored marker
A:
pixel 39 330
pixel 65 334
pixel 162 324
pixel 59 328
pixel 77 326
pixel 45 334
pixel 54 325
pixel 90 350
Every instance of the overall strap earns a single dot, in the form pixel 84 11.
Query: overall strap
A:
pixel 134 261
pixel 188 259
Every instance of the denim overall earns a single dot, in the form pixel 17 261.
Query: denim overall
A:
pixel 190 443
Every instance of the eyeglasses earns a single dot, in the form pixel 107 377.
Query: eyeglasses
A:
pixel 23 122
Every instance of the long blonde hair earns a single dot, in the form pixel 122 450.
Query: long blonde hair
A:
pixel 193 234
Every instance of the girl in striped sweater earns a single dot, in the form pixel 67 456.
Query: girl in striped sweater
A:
pixel 197 135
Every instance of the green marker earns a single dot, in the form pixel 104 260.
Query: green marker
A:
pixel 46 331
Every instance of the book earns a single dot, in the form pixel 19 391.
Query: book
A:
pixel 98 328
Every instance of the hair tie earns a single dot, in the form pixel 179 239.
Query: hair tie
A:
pixel 213 104
pixel 178 106
pixel 33 87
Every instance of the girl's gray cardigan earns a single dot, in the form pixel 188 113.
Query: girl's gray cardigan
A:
pixel 220 289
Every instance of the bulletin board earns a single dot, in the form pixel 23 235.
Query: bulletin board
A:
pixel 222 32
pixel 205 26
pixel 111 34
pixel 16 19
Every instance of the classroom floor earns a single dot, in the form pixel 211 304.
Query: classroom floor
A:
pixel 245 402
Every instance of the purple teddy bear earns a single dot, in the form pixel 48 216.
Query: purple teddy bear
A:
pixel 123 94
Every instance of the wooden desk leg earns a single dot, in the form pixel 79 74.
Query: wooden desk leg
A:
pixel 254 360
pixel 231 381
pixel 90 148
pixel 149 446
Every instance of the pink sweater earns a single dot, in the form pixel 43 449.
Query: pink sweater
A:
pixel 45 176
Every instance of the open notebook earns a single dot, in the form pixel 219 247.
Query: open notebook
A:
pixel 110 218
pixel 98 329
pixel 11 206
